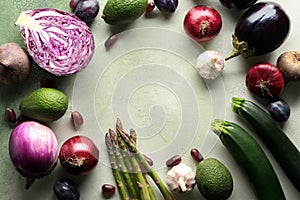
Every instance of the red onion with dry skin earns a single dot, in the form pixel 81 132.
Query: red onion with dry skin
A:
pixel 79 155
pixel 202 23
pixel 265 80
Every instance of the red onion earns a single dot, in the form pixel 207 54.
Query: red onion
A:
pixel 79 155
pixel 265 80
pixel 33 149
pixel 202 23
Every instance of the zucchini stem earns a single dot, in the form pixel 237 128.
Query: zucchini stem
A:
pixel 218 126
pixel 237 103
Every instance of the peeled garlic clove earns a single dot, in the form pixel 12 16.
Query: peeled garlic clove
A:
pixel 209 64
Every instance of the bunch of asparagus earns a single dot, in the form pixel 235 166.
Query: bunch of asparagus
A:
pixel 130 168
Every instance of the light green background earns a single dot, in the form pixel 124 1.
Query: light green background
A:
pixel 11 183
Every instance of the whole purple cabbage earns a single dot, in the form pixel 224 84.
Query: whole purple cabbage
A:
pixel 58 41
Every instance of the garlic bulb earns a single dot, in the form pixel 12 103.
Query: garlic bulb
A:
pixel 181 178
pixel 209 64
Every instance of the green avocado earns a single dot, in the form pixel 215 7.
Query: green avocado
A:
pixel 121 12
pixel 44 104
pixel 214 180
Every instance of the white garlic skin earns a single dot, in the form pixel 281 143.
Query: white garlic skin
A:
pixel 210 64
pixel 181 178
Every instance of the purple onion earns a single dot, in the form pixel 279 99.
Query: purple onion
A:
pixel 58 41
pixel 33 149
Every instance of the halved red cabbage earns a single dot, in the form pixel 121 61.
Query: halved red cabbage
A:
pixel 58 41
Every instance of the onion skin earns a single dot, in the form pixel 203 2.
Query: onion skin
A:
pixel 202 23
pixel 289 64
pixel 79 155
pixel 33 149
pixel 260 30
pixel 265 80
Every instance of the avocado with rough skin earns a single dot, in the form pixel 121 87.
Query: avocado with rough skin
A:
pixel 121 12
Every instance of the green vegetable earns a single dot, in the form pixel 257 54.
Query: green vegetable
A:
pixel 44 104
pixel 250 156
pixel 214 180
pixel 130 167
pixel 120 12
pixel 131 146
pixel 282 148
pixel 116 172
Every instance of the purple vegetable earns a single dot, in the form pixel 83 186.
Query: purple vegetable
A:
pixel 260 30
pixel 166 6
pixel 59 42
pixel 87 10
pixel 237 4
pixel 33 149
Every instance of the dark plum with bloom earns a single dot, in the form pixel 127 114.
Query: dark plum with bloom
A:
pixel 87 10
pixel 279 110
pixel 66 189
pixel 166 6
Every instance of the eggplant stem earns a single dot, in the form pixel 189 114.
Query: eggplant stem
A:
pixel 29 182
pixel 240 47
pixel 233 54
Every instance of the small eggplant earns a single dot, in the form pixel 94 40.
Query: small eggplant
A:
pixel 238 4
pixel 260 30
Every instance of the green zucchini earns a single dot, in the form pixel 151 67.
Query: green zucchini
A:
pixel 250 156
pixel 282 148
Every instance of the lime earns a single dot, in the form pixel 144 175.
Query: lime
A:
pixel 44 104
pixel 118 12
pixel 214 180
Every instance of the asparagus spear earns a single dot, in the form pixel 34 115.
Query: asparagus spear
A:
pixel 130 160
pixel 116 172
pixel 133 148
pixel 122 167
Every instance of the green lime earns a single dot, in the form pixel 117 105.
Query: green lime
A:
pixel 118 12
pixel 44 104
pixel 214 180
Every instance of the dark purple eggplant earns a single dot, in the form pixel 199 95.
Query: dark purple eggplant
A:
pixel 260 30
pixel 238 4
